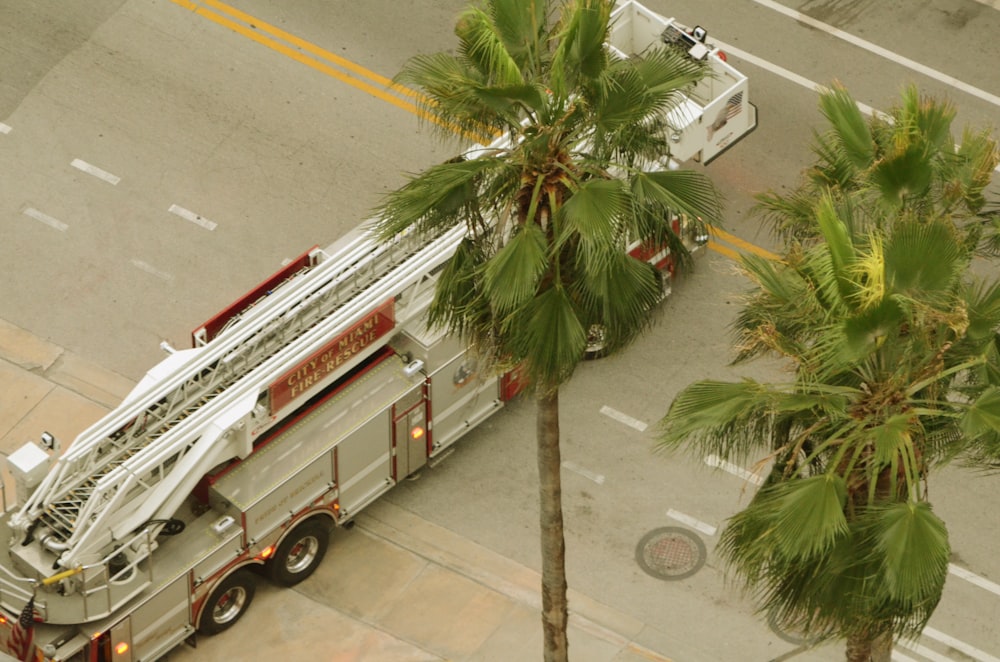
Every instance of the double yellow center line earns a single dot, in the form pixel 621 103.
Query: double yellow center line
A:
pixel 306 53
pixel 368 81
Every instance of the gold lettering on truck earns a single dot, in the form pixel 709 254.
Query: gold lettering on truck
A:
pixel 334 354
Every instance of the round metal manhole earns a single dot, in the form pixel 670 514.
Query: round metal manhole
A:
pixel 670 553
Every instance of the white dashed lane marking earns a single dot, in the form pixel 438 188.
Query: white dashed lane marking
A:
pixel 42 217
pixel 189 215
pixel 624 418
pixel 90 169
pixel 586 473
pixel 693 522
pixel 150 269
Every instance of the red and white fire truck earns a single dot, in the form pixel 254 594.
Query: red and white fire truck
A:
pixel 296 407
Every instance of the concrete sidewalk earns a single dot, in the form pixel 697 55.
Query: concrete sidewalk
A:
pixel 394 587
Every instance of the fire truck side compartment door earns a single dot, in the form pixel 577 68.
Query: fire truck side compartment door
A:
pixel 462 392
pixel 160 623
pixel 364 463
pixel 410 433
pixel 461 396
pixel 121 641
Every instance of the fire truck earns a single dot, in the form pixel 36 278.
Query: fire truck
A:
pixel 296 407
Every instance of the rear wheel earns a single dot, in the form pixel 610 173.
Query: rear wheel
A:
pixel 227 603
pixel 300 553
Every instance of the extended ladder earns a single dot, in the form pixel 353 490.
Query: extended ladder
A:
pixel 194 410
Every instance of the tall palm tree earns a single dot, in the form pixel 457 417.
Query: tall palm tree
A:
pixel 903 163
pixel 550 206
pixel 896 371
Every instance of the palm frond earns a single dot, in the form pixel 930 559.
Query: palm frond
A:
pixel 617 292
pixel 927 119
pixel 452 94
pixel 849 126
pixel 982 416
pixel 910 544
pixel 548 335
pixel 923 259
pixel 701 414
pixel 839 245
pixel 982 304
pixel 893 440
pixel 522 27
pixel 592 213
pixel 483 46
pixel 790 216
pixel 903 174
pixel 975 160
pixel 579 53
pixel 667 72
pixel 459 303
pixel 435 197
pixel 808 516
pixel 623 99
pixel 511 277
pixel 867 329
pixel 682 191
pixel 733 419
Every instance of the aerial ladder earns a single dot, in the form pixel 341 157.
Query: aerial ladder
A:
pixel 120 482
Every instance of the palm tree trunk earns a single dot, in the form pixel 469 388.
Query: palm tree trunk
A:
pixel 554 604
pixel 863 647
pixel 882 648
pixel 859 648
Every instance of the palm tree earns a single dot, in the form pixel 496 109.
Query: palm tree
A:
pixel 869 376
pixel 549 207
pixel 896 371
pixel 904 163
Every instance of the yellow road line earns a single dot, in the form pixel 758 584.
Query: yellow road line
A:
pixel 725 250
pixel 384 89
pixel 311 48
pixel 257 36
pixel 254 35
pixel 740 243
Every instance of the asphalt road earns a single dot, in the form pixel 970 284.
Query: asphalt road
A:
pixel 160 157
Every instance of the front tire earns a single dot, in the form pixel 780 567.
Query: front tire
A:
pixel 227 603
pixel 300 553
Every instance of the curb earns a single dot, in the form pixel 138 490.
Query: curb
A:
pixel 487 568
pixel 53 363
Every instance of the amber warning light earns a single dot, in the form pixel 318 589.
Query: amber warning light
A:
pixel 417 432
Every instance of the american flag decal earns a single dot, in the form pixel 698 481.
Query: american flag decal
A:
pixel 734 105
pixel 21 638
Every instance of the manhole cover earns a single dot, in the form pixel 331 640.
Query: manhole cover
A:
pixel 670 552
